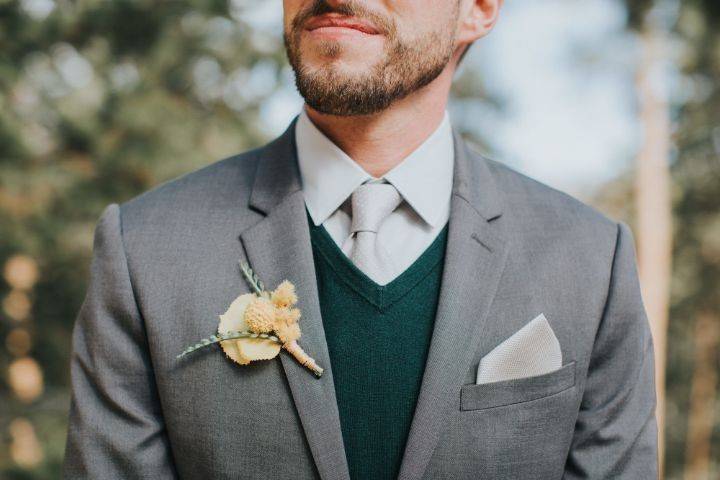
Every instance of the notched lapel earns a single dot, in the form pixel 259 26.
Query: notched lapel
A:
pixel 475 258
pixel 278 247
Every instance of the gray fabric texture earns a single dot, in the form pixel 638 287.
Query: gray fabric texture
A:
pixel 532 350
pixel 165 265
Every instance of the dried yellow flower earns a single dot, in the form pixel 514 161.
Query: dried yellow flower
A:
pixel 286 316
pixel 244 350
pixel 260 315
pixel 284 295
pixel 287 333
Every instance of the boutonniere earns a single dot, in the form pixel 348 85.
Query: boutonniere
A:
pixel 256 326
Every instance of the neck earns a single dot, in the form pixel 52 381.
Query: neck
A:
pixel 380 141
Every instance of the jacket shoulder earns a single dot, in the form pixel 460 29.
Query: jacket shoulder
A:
pixel 225 183
pixel 532 201
pixel 542 220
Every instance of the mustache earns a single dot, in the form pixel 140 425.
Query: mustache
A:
pixel 348 9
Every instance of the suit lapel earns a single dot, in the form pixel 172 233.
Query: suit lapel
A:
pixel 474 261
pixel 278 247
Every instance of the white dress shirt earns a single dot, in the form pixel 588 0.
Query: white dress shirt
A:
pixel 423 178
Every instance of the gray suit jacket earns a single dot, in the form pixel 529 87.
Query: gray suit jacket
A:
pixel 165 265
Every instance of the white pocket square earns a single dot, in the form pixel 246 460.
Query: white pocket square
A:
pixel 532 350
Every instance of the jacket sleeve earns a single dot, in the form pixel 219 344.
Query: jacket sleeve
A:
pixel 616 431
pixel 116 428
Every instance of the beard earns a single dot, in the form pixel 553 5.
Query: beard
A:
pixel 405 66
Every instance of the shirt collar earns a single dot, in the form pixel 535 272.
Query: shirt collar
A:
pixel 329 175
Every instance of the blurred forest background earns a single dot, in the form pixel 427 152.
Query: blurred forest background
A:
pixel 101 100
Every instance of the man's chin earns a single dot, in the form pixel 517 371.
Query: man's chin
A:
pixel 346 61
pixel 336 74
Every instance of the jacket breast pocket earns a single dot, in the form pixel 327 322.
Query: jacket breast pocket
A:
pixel 517 390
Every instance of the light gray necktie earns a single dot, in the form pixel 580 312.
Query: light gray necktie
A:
pixel 371 204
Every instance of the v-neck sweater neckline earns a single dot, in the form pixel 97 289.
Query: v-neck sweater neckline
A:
pixel 381 297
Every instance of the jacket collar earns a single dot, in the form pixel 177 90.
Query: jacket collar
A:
pixel 278 247
pixel 329 175
pixel 278 175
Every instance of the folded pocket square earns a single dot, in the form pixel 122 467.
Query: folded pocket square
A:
pixel 532 350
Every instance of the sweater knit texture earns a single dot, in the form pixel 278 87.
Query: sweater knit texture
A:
pixel 378 338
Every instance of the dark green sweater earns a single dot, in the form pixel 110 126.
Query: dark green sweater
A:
pixel 378 339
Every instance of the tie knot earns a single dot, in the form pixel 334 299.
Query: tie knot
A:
pixel 371 204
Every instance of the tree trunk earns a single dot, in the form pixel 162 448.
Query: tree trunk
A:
pixel 702 398
pixel 654 210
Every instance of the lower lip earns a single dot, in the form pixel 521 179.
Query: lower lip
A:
pixel 339 32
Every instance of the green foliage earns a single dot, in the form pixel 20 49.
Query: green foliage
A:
pixel 695 176
pixel 252 278
pixel 696 258
pixel 636 11
pixel 100 101
pixel 231 335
